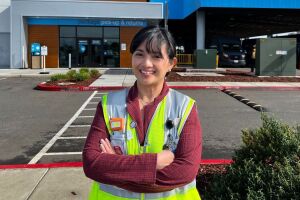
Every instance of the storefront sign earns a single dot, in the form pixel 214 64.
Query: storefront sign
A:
pixel 86 22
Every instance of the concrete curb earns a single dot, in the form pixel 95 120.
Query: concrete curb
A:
pixel 79 164
pixel 244 100
pixel 44 87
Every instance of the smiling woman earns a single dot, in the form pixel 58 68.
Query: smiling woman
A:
pixel 145 142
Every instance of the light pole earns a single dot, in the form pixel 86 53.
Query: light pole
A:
pixel 166 15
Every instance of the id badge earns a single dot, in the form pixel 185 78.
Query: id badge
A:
pixel 118 142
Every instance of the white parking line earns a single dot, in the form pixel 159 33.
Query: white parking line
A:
pixel 89 109
pixel 85 116
pixel 62 153
pixel 71 138
pixel 79 126
pixel 93 102
pixel 2 79
pixel 97 98
pixel 38 156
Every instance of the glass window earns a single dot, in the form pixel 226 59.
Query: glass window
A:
pixel 111 32
pixel 67 31
pixel 95 32
pixel 66 46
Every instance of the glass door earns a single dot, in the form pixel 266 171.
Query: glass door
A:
pixel 90 52
pixel 83 53
pixel 96 53
pixel 111 52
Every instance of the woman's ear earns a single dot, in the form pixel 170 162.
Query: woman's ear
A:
pixel 173 63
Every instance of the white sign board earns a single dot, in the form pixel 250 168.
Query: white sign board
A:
pixel 44 50
pixel 281 52
pixel 123 46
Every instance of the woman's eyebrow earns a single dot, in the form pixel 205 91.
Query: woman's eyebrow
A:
pixel 139 50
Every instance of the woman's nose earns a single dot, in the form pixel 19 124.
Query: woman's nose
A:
pixel 148 61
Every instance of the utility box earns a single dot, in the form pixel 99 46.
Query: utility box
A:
pixel 205 58
pixel 276 57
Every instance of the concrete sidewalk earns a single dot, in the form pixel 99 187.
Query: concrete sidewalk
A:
pixel 123 77
pixel 44 183
pixel 37 72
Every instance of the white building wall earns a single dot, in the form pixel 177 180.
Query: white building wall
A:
pixel 4 33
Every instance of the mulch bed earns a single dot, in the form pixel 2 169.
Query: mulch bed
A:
pixel 206 173
pixel 230 77
pixel 74 83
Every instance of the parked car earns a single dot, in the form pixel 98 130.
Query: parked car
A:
pixel 230 52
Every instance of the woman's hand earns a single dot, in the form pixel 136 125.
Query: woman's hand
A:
pixel 164 158
pixel 106 147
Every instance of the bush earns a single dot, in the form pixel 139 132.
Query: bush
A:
pixel 84 70
pixel 71 74
pixel 81 76
pixel 57 77
pixel 94 73
pixel 267 166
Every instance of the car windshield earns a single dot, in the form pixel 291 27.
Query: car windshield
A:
pixel 231 47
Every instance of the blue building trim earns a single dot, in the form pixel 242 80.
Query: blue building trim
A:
pixel 85 22
pixel 180 9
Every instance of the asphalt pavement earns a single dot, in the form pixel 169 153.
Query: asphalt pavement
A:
pixel 67 181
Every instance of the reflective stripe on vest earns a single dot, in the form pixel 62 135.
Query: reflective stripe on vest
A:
pixel 176 107
pixel 119 192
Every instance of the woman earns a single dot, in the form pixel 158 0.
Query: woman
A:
pixel 145 142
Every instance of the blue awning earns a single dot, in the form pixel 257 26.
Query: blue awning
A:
pixel 179 9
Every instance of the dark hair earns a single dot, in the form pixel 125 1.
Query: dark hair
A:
pixel 150 34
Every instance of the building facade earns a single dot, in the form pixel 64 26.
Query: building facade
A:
pixel 97 33
pixel 92 33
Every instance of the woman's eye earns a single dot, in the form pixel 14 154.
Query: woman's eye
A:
pixel 157 56
pixel 138 54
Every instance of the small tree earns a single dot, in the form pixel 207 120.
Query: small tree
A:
pixel 267 166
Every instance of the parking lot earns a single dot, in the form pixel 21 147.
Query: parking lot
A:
pixel 45 127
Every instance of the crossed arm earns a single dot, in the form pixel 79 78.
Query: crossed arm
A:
pixel 146 172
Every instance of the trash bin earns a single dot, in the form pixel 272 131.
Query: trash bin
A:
pixel 205 58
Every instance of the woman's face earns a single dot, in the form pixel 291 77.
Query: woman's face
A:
pixel 150 68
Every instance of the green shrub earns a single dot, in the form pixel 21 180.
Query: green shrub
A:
pixel 57 77
pixel 84 70
pixel 70 74
pixel 81 76
pixel 94 73
pixel 267 166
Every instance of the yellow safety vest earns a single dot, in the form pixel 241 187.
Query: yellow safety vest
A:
pixel 175 107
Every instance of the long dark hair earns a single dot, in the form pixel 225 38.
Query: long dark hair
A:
pixel 158 34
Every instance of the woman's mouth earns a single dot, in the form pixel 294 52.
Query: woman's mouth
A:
pixel 147 72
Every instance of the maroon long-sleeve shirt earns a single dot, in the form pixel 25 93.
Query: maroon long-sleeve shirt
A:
pixel 138 173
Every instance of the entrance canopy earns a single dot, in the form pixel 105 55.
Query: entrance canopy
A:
pixel 244 23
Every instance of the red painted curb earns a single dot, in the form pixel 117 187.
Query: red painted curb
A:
pixel 216 161
pixel 44 87
pixel 47 165
pixel 79 164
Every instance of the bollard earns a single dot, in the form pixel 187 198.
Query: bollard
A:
pixel 70 61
